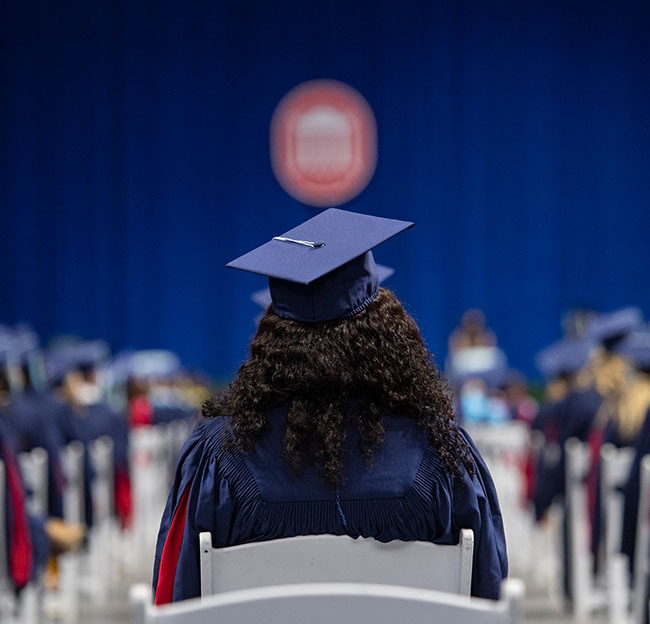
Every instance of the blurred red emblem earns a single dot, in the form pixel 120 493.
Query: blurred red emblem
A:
pixel 323 143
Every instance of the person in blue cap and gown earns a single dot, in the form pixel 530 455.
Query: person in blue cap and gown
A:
pixel 30 538
pixel 338 422
pixel 636 403
pixel 32 410
pixel 73 373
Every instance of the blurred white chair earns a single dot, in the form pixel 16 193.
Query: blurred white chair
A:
pixel 35 474
pixel 150 483
pixel 615 464
pixel 33 468
pixel 642 547
pixel 67 603
pixel 100 537
pixel 586 597
pixel 327 558
pixel 506 448
pixel 7 599
pixel 324 603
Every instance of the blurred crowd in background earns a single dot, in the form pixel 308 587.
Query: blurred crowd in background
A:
pixel 595 386
pixel 75 391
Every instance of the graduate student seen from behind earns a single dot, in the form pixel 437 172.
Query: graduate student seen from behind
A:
pixel 337 423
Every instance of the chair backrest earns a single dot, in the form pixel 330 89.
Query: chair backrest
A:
pixel 324 603
pixel 6 588
pixel 329 558
pixel 584 598
pixel 72 460
pixel 33 468
pixel 642 547
pixel 102 489
pixel 615 464
pixel 4 555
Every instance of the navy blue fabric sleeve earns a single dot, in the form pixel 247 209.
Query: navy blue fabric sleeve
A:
pixel 208 508
pixel 476 507
pixel 40 543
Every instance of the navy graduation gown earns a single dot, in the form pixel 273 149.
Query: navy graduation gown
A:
pixel 575 416
pixel 33 417
pixel 25 536
pixel 95 421
pixel 631 492
pixel 242 497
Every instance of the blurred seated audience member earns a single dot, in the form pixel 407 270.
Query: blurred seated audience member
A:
pixel 521 405
pixel 480 401
pixel 337 423
pixel 618 419
pixel 29 407
pixel 559 364
pixel 471 332
pixel 635 408
pixel 29 538
pixel 74 370
pixel 576 321
pixel 155 388
pixel 592 391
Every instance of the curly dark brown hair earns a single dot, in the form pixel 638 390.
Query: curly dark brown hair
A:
pixel 375 360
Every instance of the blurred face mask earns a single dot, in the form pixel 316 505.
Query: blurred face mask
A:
pixel 474 404
pixel 87 393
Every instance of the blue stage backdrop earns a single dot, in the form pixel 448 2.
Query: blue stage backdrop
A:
pixel 135 160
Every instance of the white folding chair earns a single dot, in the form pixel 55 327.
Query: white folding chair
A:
pixel 586 597
pixel 33 468
pixel 324 603
pixel 326 558
pixel 34 472
pixel 150 482
pixel 72 462
pixel 100 537
pixel 642 547
pixel 615 464
pixel 7 598
pixel 505 448
pixel 66 603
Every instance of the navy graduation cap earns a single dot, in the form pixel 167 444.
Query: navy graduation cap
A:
pixel 323 269
pixel 262 297
pixel 564 357
pixel 69 357
pixel 636 348
pixel 612 326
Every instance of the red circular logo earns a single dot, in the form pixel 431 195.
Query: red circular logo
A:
pixel 323 143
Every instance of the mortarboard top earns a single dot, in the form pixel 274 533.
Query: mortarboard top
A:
pixel 636 348
pixel 148 364
pixel 563 357
pixel 323 269
pixel 613 325
pixel 72 356
pixel 26 344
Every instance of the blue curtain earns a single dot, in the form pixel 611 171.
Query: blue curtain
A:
pixel 135 160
